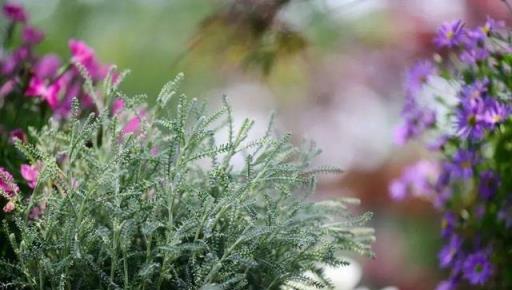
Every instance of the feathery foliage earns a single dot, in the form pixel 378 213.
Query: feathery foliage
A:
pixel 170 207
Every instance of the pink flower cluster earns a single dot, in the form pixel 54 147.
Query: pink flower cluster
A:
pixel 43 78
pixel 10 190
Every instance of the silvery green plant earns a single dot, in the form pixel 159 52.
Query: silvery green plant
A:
pixel 158 203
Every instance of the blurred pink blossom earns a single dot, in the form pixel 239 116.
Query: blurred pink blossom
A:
pixel 15 12
pixel 30 173
pixel 17 134
pixel 9 206
pixel 32 35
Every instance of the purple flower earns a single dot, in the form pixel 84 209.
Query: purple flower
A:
pixel 482 32
pixel 495 112
pixel 473 55
pixel 438 144
pixel 477 268
pixel 32 35
pixel 474 93
pixel 505 214
pixel 417 180
pixel 450 34
pixel 415 122
pixel 398 189
pixel 463 162
pixel 449 251
pixel 447 285
pixel 489 183
pixel 470 120
pixel 15 12
pixel 417 76
pixel 448 224
pixel 442 197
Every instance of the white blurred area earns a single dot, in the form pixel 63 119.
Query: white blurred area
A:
pixel 342 278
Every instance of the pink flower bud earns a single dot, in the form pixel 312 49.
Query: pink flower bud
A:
pixel 9 206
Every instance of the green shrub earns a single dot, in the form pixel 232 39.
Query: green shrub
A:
pixel 164 207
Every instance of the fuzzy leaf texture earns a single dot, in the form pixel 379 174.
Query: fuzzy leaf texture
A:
pixel 166 207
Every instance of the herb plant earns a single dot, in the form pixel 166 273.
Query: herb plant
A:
pixel 157 202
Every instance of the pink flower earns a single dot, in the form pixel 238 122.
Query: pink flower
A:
pixel 85 55
pixel 37 211
pixel 7 185
pixel 117 106
pixel 17 134
pixel 9 206
pixel 30 173
pixel 132 126
pixel 7 88
pixel 38 88
pixel 12 61
pixel 32 35
pixel 47 66
pixel 154 151
pixel 15 12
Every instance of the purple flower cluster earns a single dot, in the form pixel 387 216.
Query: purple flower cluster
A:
pixel 466 183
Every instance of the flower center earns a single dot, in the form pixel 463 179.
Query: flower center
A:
pixel 472 120
pixel 466 164
pixel 478 268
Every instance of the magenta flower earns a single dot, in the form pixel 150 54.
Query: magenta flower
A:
pixel 17 134
pixel 47 66
pixel 32 35
pixel 15 12
pixel 38 88
pixel 132 126
pixel 117 106
pixel 7 185
pixel 9 206
pixel 85 55
pixel 30 173
pixel 450 34
pixel 477 268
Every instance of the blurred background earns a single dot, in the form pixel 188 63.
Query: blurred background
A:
pixel 332 69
